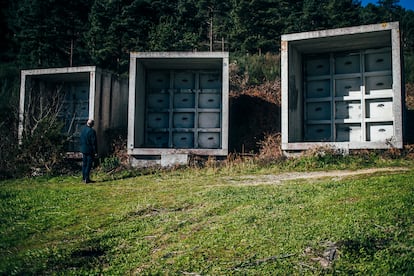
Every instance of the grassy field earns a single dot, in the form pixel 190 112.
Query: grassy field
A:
pixel 210 221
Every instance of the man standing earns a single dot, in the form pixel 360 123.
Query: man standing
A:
pixel 89 148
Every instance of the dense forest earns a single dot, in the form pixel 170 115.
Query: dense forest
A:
pixel 51 33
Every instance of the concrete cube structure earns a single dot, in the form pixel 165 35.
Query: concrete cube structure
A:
pixel 178 105
pixel 76 94
pixel 342 87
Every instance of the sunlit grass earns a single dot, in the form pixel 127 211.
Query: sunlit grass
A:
pixel 199 220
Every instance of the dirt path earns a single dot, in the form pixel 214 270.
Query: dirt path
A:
pixel 251 180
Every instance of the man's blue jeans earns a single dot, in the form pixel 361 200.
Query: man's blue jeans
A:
pixel 87 160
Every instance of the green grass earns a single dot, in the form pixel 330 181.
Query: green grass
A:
pixel 203 221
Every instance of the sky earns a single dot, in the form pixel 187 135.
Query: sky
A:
pixel 407 4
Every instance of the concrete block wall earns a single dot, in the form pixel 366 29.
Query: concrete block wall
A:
pixel 179 104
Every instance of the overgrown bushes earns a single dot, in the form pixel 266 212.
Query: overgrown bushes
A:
pixel 9 82
pixel 43 150
pixel 254 100
pixel 252 70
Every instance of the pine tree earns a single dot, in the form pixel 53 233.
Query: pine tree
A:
pixel 118 27
pixel 257 25
pixel 48 32
pixel 390 9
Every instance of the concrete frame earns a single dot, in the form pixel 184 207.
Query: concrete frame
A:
pixel 107 98
pixel 293 46
pixel 139 62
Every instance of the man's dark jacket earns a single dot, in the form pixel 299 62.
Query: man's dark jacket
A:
pixel 88 141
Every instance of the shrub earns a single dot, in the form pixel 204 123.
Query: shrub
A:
pixel 42 151
pixel 9 94
pixel 247 70
pixel 270 148
pixel 318 157
pixel 8 142
pixel 110 164
pixel 409 152
pixel 119 148
pixel 409 96
pixel 118 158
pixel 408 65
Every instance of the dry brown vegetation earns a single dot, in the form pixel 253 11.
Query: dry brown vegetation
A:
pixel 255 120
pixel 254 114
pixel 269 91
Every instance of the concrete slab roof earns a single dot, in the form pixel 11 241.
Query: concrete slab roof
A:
pixel 81 73
pixel 340 39
pixel 180 60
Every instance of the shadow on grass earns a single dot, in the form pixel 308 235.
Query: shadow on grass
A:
pixel 363 248
pixel 90 255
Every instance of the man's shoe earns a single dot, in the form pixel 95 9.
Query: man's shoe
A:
pixel 89 181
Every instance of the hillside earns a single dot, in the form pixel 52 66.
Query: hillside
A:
pixel 233 219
